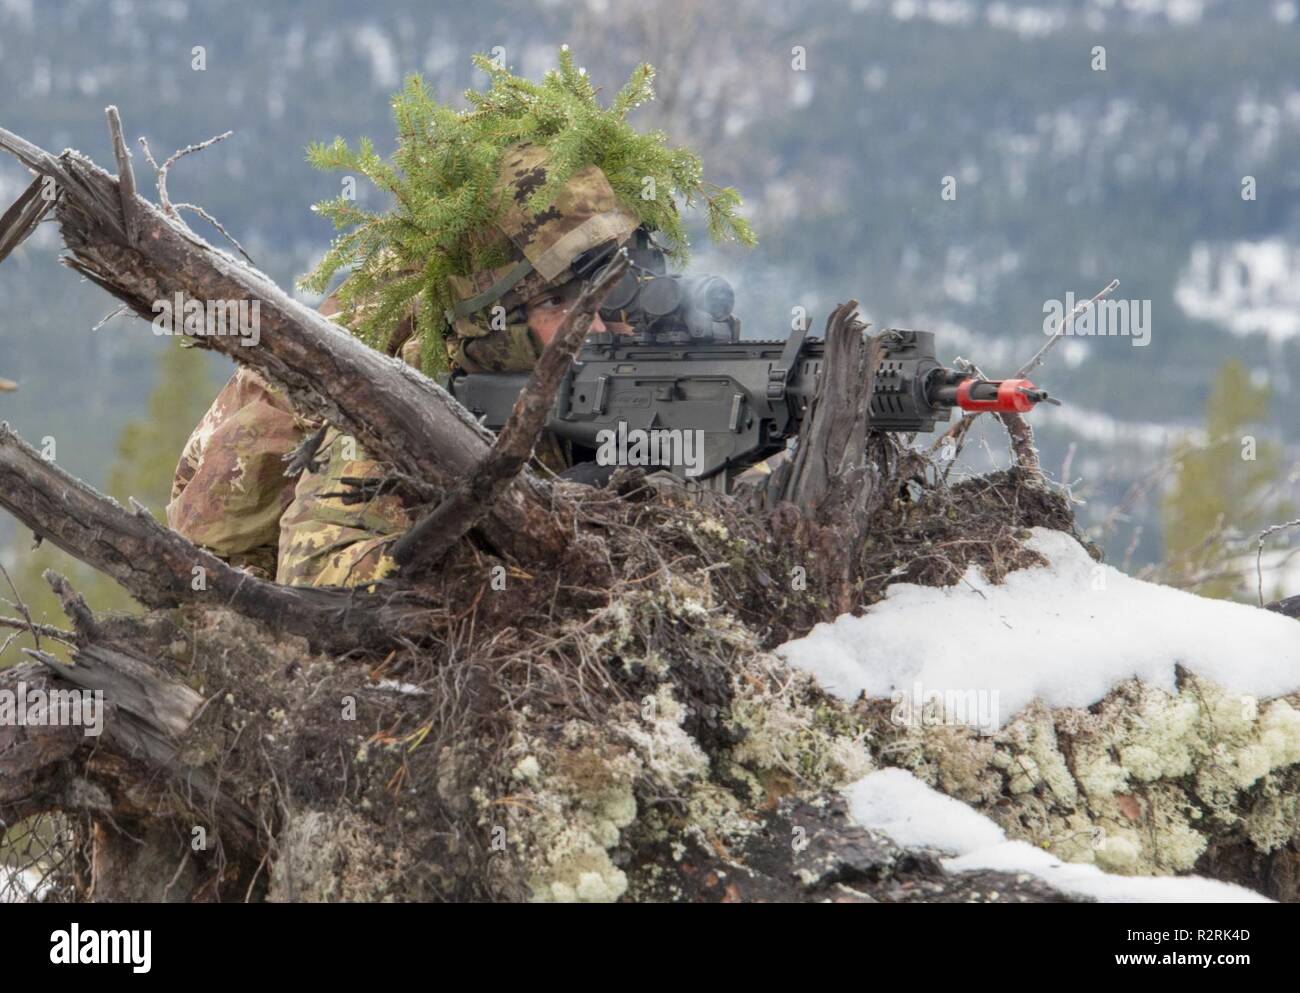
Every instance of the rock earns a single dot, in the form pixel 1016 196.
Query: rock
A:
pixel 808 851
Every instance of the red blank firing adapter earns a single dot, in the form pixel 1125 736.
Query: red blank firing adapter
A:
pixel 999 396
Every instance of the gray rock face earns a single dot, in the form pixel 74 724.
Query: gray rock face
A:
pixel 810 852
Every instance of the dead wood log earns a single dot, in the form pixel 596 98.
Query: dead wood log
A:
pixel 147 713
pixel 399 415
pixel 34 772
pixel 824 492
pixel 162 569
pixel 830 464
pixel 131 777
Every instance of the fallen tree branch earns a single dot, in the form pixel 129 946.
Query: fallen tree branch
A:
pixel 399 415
pixel 147 715
pixel 432 537
pixel 152 711
pixel 162 569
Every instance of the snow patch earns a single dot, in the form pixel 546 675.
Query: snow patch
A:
pixel 896 803
pixel 22 886
pixel 916 816
pixel 1065 633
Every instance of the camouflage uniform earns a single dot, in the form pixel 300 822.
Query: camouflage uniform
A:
pixel 230 494
pixel 229 490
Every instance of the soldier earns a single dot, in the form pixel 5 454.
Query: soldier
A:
pixel 327 528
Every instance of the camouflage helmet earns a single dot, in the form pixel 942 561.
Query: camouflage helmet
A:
pixel 584 221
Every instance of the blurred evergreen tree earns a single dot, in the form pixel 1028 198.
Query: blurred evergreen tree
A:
pixel 1223 492
pixel 146 456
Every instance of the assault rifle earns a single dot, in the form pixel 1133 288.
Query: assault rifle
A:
pixel 686 376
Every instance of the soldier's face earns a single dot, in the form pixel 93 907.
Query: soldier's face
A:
pixel 547 311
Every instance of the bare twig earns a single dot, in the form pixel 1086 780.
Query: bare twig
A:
pixel 1068 462
pixel 1136 492
pixel 304 456
pixel 163 200
pixel 46 630
pixel 174 209
pixel 1129 552
pixel 18 603
pixel 216 224
pixel 1259 554
pixel 1065 322
pixel 115 312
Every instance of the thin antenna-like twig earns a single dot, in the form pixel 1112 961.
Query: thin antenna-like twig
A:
pixel 1259 554
pixel 109 316
pixel 1066 321
pixel 163 199
pixel 174 209
pixel 216 224
pixel 21 607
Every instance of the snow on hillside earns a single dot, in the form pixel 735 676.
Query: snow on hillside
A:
pixel 1247 287
pixel 1066 633
pixel 896 803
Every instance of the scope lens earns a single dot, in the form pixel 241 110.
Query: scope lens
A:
pixel 714 295
pixel 621 294
pixel 660 295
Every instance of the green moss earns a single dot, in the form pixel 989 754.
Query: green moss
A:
pixel 1140 784
pixel 793 728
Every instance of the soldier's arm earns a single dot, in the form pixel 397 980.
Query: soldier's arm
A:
pixel 337 530
pixel 229 489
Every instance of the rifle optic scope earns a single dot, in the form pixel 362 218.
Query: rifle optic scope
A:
pixel 669 308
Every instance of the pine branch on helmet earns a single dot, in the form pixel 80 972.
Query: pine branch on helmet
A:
pixel 495 204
